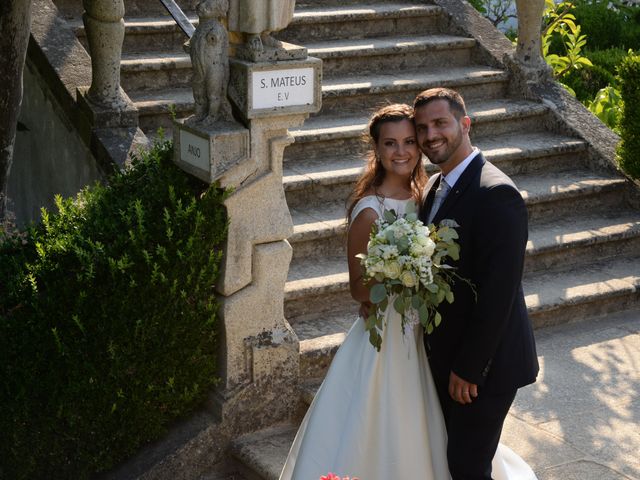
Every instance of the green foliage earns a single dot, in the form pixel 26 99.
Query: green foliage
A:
pixel 608 59
pixel 587 82
pixel 609 24
pixel 478 5
pixel 108 320
pixel 630 35
pixel 607 106
pixel 603 25
pixel 629 72
pixel 560 24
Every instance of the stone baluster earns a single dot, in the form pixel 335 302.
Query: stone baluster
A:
pixel 104 24
pixel 529 48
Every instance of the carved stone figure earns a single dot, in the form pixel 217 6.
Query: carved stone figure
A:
pixel 209 51
pixel 258 19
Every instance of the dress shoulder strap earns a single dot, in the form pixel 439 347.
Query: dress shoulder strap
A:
pixel 370 201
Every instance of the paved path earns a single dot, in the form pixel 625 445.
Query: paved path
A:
pixel 581 420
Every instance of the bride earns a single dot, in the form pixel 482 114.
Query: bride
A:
pixel 377 414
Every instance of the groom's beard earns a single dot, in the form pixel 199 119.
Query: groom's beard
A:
pixel 444 153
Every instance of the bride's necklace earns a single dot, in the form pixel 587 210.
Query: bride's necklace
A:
pixel 382 196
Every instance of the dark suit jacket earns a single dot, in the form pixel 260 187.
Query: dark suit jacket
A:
pixel 490 341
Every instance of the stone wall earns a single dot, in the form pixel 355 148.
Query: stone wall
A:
pixel 50 157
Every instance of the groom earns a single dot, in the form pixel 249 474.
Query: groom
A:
pixel 484 349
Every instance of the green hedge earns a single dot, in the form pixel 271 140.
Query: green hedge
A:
pixel 629 147
pixel 108 320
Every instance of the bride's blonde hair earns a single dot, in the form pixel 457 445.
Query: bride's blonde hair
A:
pixel 374 172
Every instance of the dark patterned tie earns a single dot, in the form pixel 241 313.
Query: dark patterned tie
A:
pixel 441 194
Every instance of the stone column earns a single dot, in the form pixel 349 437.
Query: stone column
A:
pixel 259 355
pixel 104 24
pixel 529 48
pixel 111 117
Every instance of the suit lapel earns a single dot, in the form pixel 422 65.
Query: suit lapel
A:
pixel 458 189
pixel 432 186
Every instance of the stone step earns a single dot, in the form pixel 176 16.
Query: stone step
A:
pixel 355 93
pixel 595 289
pixel 265 452
pixel 161 69
pixel 320 230
pixel 337 3
pixel 331 178
pixel 549 197
pixel 341 95
pixel 365 19
pixel 562 242
pixel 155 70
pixel 146 34
pixel 394 52
pixel 72 10
pixel 156 107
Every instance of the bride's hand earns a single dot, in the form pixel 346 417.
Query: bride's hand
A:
pixel 365 307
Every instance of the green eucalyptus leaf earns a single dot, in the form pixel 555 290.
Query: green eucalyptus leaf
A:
pixel 377 293
pixel 433 288
pixel 437 318
pixel 423 314
pixel 389 216
pixel 398 304
pixel 416 301
pixel 382 306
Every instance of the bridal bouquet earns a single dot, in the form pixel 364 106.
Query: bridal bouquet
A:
pixel 406 259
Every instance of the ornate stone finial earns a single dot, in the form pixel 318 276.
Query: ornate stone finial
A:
pixel 209 51
pixel 257 20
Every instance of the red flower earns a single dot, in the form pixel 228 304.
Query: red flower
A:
pixel 333 476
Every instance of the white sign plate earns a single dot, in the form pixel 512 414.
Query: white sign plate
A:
pixel 194 150
pixel 282 88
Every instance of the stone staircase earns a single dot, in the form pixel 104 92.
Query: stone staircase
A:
pixel 583 255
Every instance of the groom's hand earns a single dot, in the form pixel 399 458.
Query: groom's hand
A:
pixel 460 390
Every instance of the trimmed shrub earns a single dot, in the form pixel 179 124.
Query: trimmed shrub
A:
pixel 608 59
pixel 630 35
pixel 586 82
pixel 601 24
pixel 108 320
pixel 628 157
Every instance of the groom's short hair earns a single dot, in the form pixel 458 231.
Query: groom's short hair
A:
pixel 453 98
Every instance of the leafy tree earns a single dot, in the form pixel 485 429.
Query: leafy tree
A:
pixel 560 24
pixel 496 11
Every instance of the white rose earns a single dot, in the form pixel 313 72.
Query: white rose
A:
pixel 429 248
pixel 408 279
pixel 377 267
pixel 389 251
pixel 392 270
pixel 416 249
pixel 422 237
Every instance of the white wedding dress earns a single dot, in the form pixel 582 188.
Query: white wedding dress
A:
pixel 377 414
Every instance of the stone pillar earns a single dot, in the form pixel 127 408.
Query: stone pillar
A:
pixel 110 117
pixel 104 24
pixel 259 350
pixel 529 48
